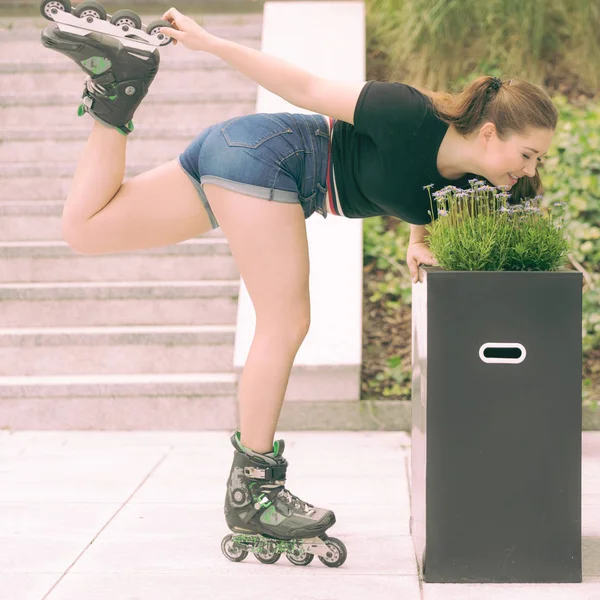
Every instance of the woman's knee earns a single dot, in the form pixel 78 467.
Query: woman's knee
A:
pixel 72 234
pixel 292 326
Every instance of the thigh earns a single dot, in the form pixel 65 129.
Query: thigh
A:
pixel 268 242
pixel 157 208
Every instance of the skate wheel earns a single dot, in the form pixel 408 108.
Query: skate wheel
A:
pixel 90 9
pixel 231 550
pixel 267 555
pixel 126 20
pixel 153 29
pixel 48 8
pixel 300 558
pixel 337 553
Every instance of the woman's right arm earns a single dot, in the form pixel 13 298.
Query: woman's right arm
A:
pixel 418 252
pixel 417 234
pixel 299 87
pixel 274 74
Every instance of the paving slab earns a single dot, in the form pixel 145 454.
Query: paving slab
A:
pixel 139 515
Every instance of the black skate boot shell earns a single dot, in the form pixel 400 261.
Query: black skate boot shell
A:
pixel 257 501
pixel 267 520
pixel 119 77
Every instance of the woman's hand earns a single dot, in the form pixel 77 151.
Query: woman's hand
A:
pixel 418 254
pixel 186 31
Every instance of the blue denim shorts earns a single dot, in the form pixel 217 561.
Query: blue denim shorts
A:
pixel 275 156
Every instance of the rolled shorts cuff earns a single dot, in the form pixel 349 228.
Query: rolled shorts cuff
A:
pixel 253 190
pixel 213 221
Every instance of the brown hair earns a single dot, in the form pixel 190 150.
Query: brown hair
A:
pixel 512 107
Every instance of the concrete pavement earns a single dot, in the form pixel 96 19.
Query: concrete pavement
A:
pixel 138 515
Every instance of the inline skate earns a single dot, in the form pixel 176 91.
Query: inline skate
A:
pixel 267 520
pixel 117 52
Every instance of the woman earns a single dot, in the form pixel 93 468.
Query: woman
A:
pixel 368 149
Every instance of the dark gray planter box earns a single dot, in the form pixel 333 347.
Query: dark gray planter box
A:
pixel 496 431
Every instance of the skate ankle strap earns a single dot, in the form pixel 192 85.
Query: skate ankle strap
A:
pixel 266 473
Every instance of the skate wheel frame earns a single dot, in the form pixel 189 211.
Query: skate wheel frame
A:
pixel 94 19
pixel 331 551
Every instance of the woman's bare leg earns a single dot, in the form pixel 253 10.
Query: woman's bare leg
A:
pixel 268 242
pixel 98 176
pixel 104 215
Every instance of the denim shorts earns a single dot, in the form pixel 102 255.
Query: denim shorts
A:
pixel 275 156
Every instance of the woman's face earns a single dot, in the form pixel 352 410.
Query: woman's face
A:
pixel 517 156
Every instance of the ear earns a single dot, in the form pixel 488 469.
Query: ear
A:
pixel 487 131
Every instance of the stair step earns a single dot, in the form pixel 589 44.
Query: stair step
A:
pixel 244 92
pixel 116 350
pixel 39 221
pixel 190 401
pixel 123 384
pixel 39 173
pixel 17 154
pixel 26 54
pixel 113 303
pixel 62 123
pixel 57 176
pixel 53 261
pixel 169 87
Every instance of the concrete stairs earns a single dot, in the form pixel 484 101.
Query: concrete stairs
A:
pixel 139 340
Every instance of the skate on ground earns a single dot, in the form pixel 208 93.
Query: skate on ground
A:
pixel 267 520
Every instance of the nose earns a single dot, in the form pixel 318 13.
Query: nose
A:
pixel 529 170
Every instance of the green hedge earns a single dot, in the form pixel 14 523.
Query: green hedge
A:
pixel 571 173
pixel 434 44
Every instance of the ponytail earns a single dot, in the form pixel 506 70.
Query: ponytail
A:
pixel 511 106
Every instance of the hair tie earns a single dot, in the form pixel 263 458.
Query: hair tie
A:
pixel 496 83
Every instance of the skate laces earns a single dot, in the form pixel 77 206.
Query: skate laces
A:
pixel 92 86
pixel 97 88
pixel 309 509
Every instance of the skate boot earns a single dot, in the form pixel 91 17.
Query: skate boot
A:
pixel 267 520
pixel 120 69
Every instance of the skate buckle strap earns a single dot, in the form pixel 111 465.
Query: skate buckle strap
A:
pixel 266 473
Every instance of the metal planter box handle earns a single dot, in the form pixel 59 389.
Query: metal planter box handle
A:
pixel 497 353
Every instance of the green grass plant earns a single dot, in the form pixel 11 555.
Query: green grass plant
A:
pixel 436 43
pixel 478 230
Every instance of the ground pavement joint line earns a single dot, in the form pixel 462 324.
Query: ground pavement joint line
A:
pixel 152 471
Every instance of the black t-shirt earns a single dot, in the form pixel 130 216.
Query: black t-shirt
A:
pixel 384 160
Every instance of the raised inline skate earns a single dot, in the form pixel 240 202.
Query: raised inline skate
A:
pixel 117 52
pixel 267 520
